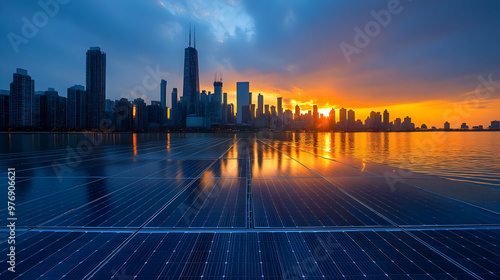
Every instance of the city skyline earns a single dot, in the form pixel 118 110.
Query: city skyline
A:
pixel 304 74
pixel 90 109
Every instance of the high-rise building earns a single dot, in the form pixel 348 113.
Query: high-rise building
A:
pixel 217 96
pixel 446 125
pixel 288 118
pixel 163 99
pixel 260 108
pixel 377 121
pixel 243 98
pixel 140 114
pixel 351 120
pixel 175 112
pixel 385 125
pixel 407 124
pixel 332 118
pixel 39 111
pixel 297 113
pixel 123 116
pixel 397 124
pixel 343 119
pixel 75 107
pixel 61 113
pixel 191 88
pixel 22 90
pixel 280 106
pixel 230 113
pixel 4 109
pixel 315 115
pixel 96 87
pixel 224 108
pixel 494 125
pixel 51 110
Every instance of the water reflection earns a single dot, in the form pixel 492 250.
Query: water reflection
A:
pixel 467 156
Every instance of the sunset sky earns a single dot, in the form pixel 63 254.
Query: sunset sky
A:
pixel 426 62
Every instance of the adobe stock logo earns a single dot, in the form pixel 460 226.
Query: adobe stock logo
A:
pixel 39 19
pixel 363 37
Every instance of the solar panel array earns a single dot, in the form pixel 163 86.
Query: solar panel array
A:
pixel 239 207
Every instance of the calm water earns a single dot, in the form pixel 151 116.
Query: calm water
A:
pixel 465 156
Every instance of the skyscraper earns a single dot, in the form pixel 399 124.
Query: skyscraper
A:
pixel 242 99
pixel 163 99
pixel 191 88
pixel 260 108
pixel 332 118
pixel 280 111
pixel 315 115
pixel 386 120
pixel 75 107
pixel 351 120
pixel 343 119
pixel 174 114
pixel 224 108
pixel 96 87
pixel 51 109
pixel 22 91
pixel 217 96
pixel 446 125
pixel 4 109
pixel 297 112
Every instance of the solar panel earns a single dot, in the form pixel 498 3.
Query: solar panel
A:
pixel 233 207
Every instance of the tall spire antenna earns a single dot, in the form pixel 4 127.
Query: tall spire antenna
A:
pixel 189 34
pixel 195 36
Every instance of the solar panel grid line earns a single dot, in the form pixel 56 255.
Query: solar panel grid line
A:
pixel 65 152
pixel 102 207
pixel 471 273
pixel 208 203
pixel 465 252
pixel 438 208
pixel 380 202
pixel 427 245
pixel 110 193
pixel 101 264
pixel 217 258
pixel 303 150
pixel 452 198
pixel 34 154
pixel 137 201
pixel 371 209
pixel 196 261
pixel 86 204
pixel 202 209
pixel 25 249
pixel 447 197
pixel 66 190
pixel 187 186
pixel 249 195
pixel 53 166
